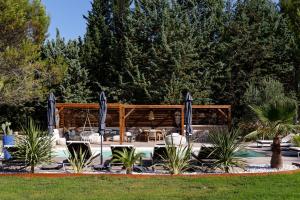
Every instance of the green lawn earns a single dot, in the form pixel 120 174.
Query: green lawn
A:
pixel 106 187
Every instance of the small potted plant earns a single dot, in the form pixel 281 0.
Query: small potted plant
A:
pixel 8 138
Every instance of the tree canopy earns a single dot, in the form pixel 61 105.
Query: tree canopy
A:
pixel 151 51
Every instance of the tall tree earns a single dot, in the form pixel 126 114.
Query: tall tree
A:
pixel 291 9
pixel 99 45
pixel 23 27
pixel 68 79
pixel 257 44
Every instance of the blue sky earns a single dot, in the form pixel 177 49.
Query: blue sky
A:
pixel 67 16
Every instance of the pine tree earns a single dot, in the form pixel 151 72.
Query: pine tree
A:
pixel 291 9
pixel 23 27
pixel 99 46
pixel 257 41
pixel 70 82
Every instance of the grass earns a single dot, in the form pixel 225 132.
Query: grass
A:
pixel 107 187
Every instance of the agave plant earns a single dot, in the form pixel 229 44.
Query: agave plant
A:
pixel 35 147
pixel 79 160
pixel 225 145
pixel 277 119
pixel 177 158
pixel 128 158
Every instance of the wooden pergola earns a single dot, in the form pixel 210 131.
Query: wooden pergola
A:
pixel 137 114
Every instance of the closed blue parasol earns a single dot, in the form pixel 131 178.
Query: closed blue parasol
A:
pixel 102 118
pixel 188 116
pixel 51 113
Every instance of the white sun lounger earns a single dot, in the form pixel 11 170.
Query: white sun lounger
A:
pixel 297 149
pixel 285 141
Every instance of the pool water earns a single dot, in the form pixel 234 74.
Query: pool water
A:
pixel 247 153
pixel 106 153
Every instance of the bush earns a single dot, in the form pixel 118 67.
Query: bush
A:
pixel 296 140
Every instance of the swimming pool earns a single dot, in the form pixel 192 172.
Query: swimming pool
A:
pixel 63 153
pixel 248 153
pixel 245 153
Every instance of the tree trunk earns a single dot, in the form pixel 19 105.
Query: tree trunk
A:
pixel 276 160
pixel 32 168
pixel 129 170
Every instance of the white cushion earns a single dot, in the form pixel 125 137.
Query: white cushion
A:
pixel 287 138
pixel 116 138
pixel 128 134
pixel 175 139
pixel 96 138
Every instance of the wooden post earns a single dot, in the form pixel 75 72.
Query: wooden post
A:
pixel 62 117
pixel 121 122
pixel 182 120
pixel 229 118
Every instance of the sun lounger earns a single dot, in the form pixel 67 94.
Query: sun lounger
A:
pixel 116 148
pixel 50 167
pixel 159 154
pixel 75 146
pixel 205 156
pixel 285 141
pixel 296 149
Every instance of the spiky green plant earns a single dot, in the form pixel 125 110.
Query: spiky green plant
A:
pixel 225 145
pixel 296 140
pixel 177 158
pixel 79 160
pixel 277 119
pixel 34 147
pixel 127 158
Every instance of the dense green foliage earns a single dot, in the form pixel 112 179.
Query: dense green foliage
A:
pixel 276 118
pixel 149 51
pixel 156 51
pixel 68 79
pixel 296 140
pixel 260 94
pixel 267 187
pixel 23 27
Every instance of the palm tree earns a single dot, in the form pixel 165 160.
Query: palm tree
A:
pixel 277 119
